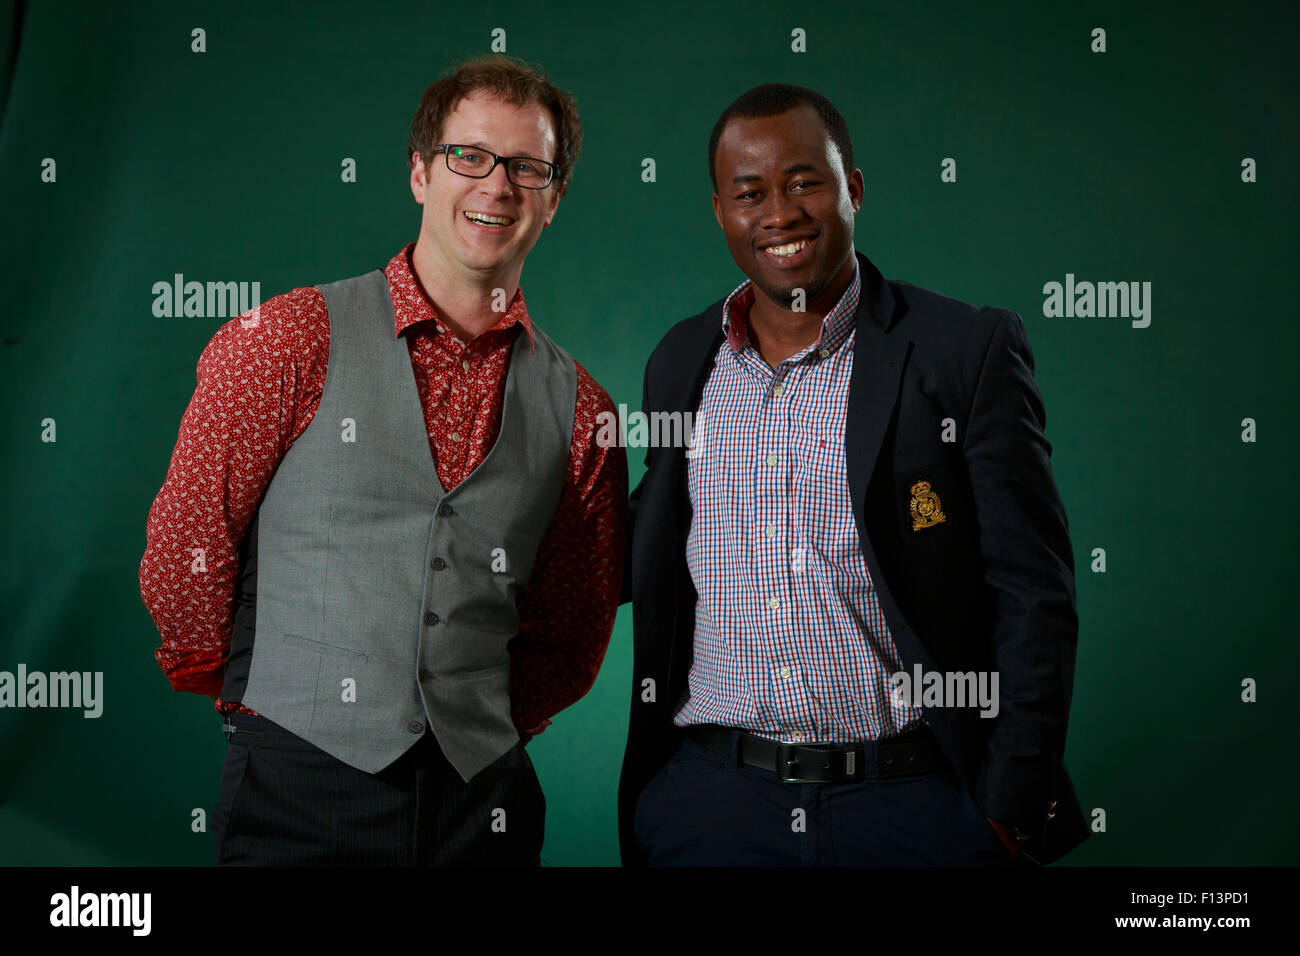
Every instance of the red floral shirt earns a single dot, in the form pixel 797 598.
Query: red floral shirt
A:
pixel 258 388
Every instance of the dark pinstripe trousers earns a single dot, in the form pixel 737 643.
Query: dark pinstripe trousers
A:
pixel 286 802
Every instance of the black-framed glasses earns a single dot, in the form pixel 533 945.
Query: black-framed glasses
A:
pixel 478 163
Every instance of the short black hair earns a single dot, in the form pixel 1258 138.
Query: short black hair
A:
pixel 772 99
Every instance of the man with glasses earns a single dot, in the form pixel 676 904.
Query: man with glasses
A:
pixel 399 496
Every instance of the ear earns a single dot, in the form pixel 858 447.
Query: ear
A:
pixel 857 189
pixel 555 203
pixel 717 210
pixel 418 179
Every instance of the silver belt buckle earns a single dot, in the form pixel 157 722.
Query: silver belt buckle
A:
pixel 784 760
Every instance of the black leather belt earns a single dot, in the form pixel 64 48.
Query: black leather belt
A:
pixel 904 755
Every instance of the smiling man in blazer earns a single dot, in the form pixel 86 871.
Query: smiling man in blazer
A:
pixel 867 509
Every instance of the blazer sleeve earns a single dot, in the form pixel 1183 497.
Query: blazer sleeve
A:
pixel 1029 565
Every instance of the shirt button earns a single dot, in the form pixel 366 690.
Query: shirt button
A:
pixel 454 436
pixel 777 390
pixel 438 564
pixel 774 603
pixel 445 510
pixel 771 459
pixel 416 726
pixel 430 618
pixel 785 673
pixel 465 364
pixel 825 353
pixel 771 531
pixel 797 735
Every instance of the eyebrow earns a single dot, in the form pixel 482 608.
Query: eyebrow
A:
pixel 481 145
pixel 796 168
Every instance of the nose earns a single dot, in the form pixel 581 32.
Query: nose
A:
pixel 780 210
pixel 497 181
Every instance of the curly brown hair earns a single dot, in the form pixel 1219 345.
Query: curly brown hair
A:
pixel 510 79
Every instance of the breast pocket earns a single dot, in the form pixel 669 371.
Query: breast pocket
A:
pixel 820 491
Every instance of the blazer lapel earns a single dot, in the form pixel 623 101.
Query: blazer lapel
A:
pixel 878 360
pixel 701 349
pixel 687 388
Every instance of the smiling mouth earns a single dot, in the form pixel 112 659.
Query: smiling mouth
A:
pixel 789 250
pixel 491 222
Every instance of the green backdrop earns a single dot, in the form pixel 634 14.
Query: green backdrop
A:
pixel 1117 166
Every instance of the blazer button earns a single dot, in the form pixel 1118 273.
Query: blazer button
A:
pixel 438 564
pixel 426 674
pixel 430 618
pixel 446 510
pixel 416 726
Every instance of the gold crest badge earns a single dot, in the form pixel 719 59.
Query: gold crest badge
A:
pixel 927 510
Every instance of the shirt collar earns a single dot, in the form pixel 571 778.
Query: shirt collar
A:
pixel 835 325
pixel 411 305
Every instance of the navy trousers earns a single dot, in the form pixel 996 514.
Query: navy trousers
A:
pixel 706 809
pixel 286 802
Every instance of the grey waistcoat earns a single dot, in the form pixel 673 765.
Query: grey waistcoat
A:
pixel 383 600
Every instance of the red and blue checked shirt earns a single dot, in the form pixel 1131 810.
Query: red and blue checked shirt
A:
pixel 790 640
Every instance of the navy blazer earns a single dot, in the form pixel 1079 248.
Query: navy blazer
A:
pixel 990 588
